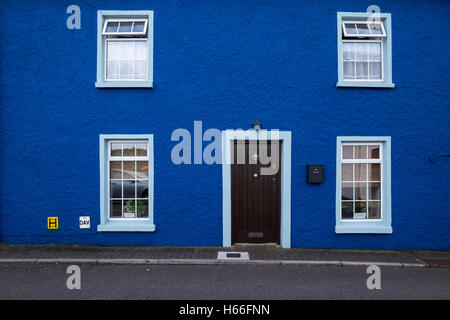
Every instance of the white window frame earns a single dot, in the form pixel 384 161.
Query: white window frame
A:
pixel 124 15
pixel 370 35
pixel 131 33
pixel 106 58
pixel 368 72
pixel 126 158
pixel 365 17
pixel 353 161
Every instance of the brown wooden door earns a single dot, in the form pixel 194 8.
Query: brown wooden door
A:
pixel 256 198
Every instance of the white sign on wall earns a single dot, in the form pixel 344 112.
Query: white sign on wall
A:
pixel 85 222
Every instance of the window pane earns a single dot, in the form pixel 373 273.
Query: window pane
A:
pixel 116 149
pixel 360 210
pixel 113 56
pixel 115 170
pixel 128 170
pixel 362 51
pixel 374 210
pixel 126 59
pixel 142 208
pixel 128 150
pixel 125 26
pixel 115 208
pixel 374 152
pixel 374 191
pixel 362 70
pixel 141 149
pixel 360 152
pixel 361 191
pixel 375 51
pixel 349 70
pixel 142 169
pixel 347 191
pixel 362 28
pixel 360 172
pixel 347 152
pixel 129 189
pixel 350 28
pixel 374 172
pixel 347 172
pixel 142 189
pixel 349 51
pixel 376 29
pixel 112 70
pixel 115 190
pixel 129 208
pixel 113 52
pixel 140 70
pixel 126 69
pixel 347 210
pixel 112 26
pixel 126 50
pixel 140 62
pixel 375 70
pixel 138 26
pixel 140 50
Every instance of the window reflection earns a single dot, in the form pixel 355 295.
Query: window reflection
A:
pixel 361 181
pixel 128 180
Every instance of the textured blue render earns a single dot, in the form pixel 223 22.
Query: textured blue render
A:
pixel 226 63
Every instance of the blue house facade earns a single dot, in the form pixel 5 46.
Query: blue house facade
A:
pixel 210 123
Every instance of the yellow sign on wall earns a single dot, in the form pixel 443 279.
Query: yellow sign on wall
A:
pixel 52 222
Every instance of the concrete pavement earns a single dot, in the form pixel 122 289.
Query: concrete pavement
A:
pixel 258 254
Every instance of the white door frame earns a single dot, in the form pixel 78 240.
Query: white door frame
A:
pixel 285 136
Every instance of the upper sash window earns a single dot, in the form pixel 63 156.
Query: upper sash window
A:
pixel 364 50
pixel 125 49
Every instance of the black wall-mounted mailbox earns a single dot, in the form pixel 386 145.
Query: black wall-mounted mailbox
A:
pixel 314 173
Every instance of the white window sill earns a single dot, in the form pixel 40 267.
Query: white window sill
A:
pixel 124 84
pixel 365 84
pixel 353 227
pixel 126 226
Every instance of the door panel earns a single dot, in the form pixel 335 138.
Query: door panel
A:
pixel 255 197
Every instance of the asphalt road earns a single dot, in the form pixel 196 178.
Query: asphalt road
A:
pixel 48 281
